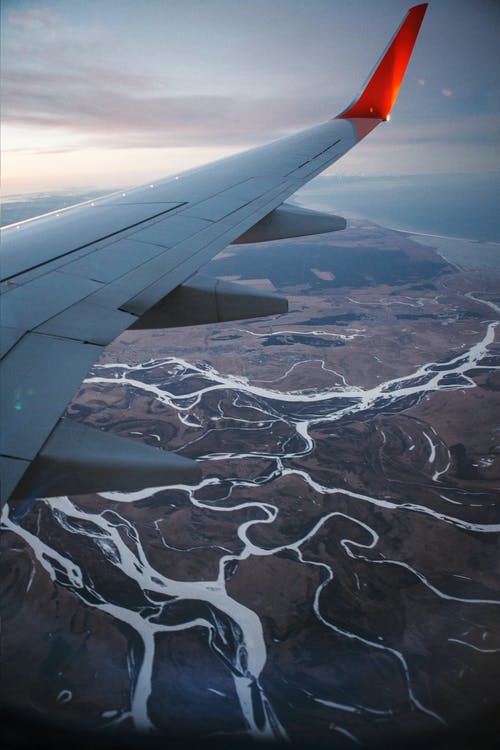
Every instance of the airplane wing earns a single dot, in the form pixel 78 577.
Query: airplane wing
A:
pixel 73 280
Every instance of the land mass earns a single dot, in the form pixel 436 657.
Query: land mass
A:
pixel 334 577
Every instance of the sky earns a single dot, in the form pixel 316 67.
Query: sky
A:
pixel 119 92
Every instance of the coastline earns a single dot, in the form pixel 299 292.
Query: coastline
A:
pixel 462 253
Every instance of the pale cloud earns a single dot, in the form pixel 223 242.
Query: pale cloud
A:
pixel 67 81
pixel 161 79
pixel 33 18
pixel 461 132
pixel 119 119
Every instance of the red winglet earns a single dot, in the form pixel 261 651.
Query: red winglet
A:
pixel 380 93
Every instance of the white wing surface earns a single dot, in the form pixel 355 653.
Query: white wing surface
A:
pixel 72 280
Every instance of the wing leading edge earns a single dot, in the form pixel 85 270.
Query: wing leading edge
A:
pixel 73 280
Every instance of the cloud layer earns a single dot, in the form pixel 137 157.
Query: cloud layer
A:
pixel 109 76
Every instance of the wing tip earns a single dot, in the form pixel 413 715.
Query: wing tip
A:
pixel 379 94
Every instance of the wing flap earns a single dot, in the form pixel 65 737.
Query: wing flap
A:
pixel 109 261
pixel 27 306
pixel 33 398
pixel 88 322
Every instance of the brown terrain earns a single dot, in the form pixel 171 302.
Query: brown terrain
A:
pixel 357 518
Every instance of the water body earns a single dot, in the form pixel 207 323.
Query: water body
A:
pixel 463 206
pixel 458 215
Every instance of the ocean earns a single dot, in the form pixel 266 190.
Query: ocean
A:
pixel 465 206
pixel 459 215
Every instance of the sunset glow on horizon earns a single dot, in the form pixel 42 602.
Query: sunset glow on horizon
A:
pixel 115 94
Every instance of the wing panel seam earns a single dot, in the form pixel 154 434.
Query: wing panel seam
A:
pixel 94 242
